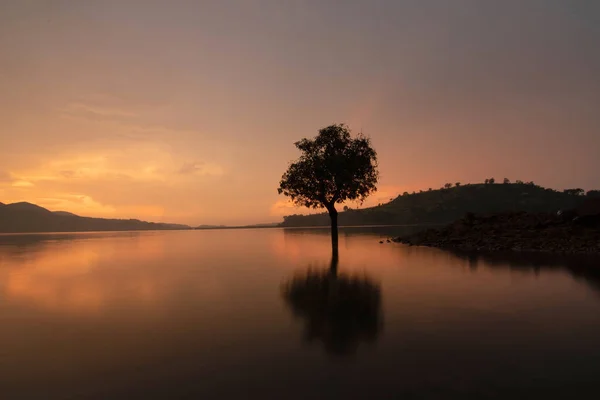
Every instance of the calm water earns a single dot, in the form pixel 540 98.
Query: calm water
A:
pixel 258 314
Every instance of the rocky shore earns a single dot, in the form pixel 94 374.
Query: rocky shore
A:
pixel 568 233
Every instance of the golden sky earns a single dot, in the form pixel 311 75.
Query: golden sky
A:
pixel 187 111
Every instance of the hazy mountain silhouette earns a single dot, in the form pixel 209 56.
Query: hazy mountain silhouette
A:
pixel 28 207
pixel 26 217
pixel 448 204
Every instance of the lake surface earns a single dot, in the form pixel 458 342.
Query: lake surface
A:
pixel 260 314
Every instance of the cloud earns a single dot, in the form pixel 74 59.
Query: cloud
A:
pixel 134 180
pixel 97 112
pixel 5 176
pixel 67 174
pixel 22 184
pixel 200 168
pixel 135 163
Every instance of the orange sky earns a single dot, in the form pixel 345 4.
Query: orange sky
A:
pixel 187 111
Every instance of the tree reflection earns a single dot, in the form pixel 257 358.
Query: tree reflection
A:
pixel 340 310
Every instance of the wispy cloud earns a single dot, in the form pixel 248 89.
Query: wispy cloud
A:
pixel 103 111
pixel 99 112
pixel 200 168
pixel 67 174
pixel 22 184
pixel 5 176
pixel 136 163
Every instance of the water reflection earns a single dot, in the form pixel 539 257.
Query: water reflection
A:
pixel 381 231
pixel 204 314
pixel 584 267
pixel 76 273
pixel 338 309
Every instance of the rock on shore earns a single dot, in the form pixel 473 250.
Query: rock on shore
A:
pixel 561 233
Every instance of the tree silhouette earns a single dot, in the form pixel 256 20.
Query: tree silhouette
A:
pixel 339 310
pixel 491 181
pixel 506 181
pixel 575 192
pixel 457 184
pixel 447 186
pixel 333 168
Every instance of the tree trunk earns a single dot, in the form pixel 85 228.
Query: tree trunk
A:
pixel 333 267
pixel 333 215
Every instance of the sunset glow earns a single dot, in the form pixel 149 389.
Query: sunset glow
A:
pixel 187 112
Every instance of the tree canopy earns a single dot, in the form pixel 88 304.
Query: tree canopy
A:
pixel 333 168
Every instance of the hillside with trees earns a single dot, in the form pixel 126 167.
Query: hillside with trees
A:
pixel 453 201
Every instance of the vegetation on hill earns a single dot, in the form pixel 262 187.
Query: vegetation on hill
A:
pixel 26 217
pixel 452 202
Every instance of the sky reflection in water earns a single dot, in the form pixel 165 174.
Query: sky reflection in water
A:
pixel 261 313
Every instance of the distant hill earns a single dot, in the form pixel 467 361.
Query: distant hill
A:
pixel 446 205
pixel 65 213
pixel 265 225
pixel 26 217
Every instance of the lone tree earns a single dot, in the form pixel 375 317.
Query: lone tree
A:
pixel 333 168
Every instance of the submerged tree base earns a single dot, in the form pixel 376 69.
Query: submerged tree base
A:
pixel 517 231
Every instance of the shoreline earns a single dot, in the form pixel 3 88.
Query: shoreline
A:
pixel 517 232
